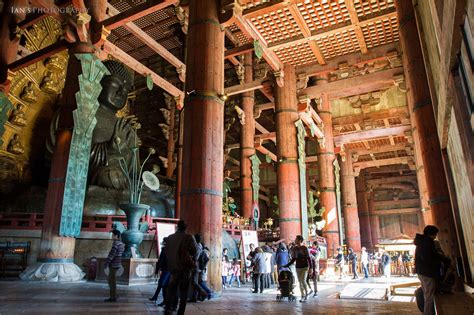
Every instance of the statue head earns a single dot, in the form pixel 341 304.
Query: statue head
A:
pixel 115 87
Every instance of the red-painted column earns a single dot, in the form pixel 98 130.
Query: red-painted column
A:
pixel 286 113
pixel 8 43
pixel 247 149
pixel 363 208
pixel 374 220
pixel 327 185
pixel 349 204
pixel 203 156
pixel 421 107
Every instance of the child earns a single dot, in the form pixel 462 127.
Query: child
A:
pixel 235 272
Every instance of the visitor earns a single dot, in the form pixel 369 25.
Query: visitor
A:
pixel 203 261
pixel 274 270
pixel 258 263
pixel 282 257
pixel 182 253
pixel 340 261
pixel 197 290
pixel 249 263
pixel 364 261
pixel 353 260
pixel 428 261
pixel 315 255
pixel 378 256
pixel 386 264
pixel 235 272
pixel 113 262
pixel 225 268
pixel 300 255
pixel 267 252
pixel 162 269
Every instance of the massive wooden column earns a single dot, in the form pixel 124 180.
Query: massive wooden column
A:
pixel 351 216
pixel 421 107
pixel 374 220
pixel 327 185
pixel 363 208
pixel 202 177
pixel 247 148
pixel 8 41
pixel 286 113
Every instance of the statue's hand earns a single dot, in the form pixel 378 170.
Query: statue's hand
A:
pixel 122 136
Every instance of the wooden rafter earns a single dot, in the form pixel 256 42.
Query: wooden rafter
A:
pixel 381 149
pixel 263 130
pixel 138 67
pixel 136 12
pixel 246 87
pixel 39 55
pixel 371 134
pixel 153 44
pixel 265 151
pixel 355 85
pixel 398 211
pixel 346 28
pixel 306 32
pixel 378 163
pixel 401 111
pixel 355 22
pixel 268 7
pixel 389 203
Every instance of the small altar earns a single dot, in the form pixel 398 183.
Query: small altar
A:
pixel 134 271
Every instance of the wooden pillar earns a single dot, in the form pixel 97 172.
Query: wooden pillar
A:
pixel 363 208
pixel 203 156
pixel 349 205
pixel 286 113
pixel 374 220
pixel 247 148
pixel 421 107
pixel 8 41
pixel 327 185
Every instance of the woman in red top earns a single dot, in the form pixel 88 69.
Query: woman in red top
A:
pixel 235 272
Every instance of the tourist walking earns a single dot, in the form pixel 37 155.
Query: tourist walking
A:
pixel 258 270
pixel 364 262
pixel 340 261
pixel 267 252
pixel 428 261
pixel 162 269
pixel 197 290
pixel 353 260
pixel 203 260
pixel 182 253
pixel 386 264
pixel 225 268
pixel 300 255
pixel 113 262
pixel 235 272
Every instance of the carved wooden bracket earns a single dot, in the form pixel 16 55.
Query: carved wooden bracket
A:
pixel 322 143
pixel 279 75
pixel 228 10
pixel 181 73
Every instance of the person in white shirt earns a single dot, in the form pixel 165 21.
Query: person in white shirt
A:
pixel 364 260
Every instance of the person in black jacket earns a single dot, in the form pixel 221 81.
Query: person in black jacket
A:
pixel 353 259
pixel 427 265
pixel 162 266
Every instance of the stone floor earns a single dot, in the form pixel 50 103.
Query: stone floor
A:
pixel 18 297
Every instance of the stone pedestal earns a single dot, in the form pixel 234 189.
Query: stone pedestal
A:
pixel 53 270
pixel 134 271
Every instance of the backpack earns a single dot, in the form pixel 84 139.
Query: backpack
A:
pixel 203 260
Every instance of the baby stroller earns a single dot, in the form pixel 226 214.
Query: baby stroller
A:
pixel 285 285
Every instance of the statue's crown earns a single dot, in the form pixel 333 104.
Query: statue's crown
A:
pixel 117 68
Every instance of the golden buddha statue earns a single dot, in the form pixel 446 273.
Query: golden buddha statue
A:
pixel 18 116
pixel 15 145
pixel 49 84
pixel 28 94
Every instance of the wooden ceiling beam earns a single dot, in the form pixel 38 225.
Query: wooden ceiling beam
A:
pixel 246 87
pixel 391 186
pixel 292 41
pixel 271 136
pixel 39 55
pixel 404 202
pixel 153 44
pixel 266 106
pixel 355 21
pixel 398 211
pixel 239 50
pixel 265 151
pixel 401 111
pixel 375 54
pixel 263 130
pixel 366 83
pixel 371 134
pixel 270 6
pixel 135 13
pixel 378 163
pixel 138 67
pixel 381 149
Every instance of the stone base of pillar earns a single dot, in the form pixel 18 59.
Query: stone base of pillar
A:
pixel 53 272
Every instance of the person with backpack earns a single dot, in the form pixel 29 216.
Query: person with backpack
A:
pixel 203 260
pixel 182 253
pixel 300 255
pixel 197 289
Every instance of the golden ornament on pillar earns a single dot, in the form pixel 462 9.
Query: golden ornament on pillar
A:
pixel 18 116
pixel 49 83
pixel 28 94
